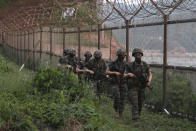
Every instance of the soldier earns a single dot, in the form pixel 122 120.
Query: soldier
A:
pixel 97 67
pixel 71 60
pixel 116 71
pixel 83 65
pixel 62 58
pixel 139 77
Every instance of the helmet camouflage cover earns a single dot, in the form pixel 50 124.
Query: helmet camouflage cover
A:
pixel 65 50
pixel 72 51
pixel 137 50
pixel 97 54
pixel 121 52
pixel 87 54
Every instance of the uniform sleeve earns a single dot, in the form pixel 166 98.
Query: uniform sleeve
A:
pixel 147 68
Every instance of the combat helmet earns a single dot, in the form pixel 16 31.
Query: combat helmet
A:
pixel 72 51
pixel 137 50
pixel 97 54
pixel 65 51
pixel 87 54
pixel 121 52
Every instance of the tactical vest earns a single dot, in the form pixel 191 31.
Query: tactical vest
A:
pixel 141 71
pixel 99 68
pixel 118 67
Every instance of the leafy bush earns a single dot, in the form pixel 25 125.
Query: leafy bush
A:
pixel 60 115
pixel 13 116
pixel 59 79
pixel 47 79
pixel 67 102
pixel 179 96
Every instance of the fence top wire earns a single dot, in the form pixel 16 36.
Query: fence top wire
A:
pixel 30 14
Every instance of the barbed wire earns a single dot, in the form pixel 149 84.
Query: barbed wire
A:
pixel 82 12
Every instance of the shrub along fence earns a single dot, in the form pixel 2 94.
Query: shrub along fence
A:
pixel 45 46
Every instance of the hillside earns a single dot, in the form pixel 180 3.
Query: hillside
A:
pixel 179 36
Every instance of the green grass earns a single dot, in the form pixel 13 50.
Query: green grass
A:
pixel 15 85
pixel 149 121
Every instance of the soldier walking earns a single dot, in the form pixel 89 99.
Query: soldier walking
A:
pixel 116 71
pixel 62 59
pixel 139 77
pixel 83 65
pixel 71 60
pixel 97 67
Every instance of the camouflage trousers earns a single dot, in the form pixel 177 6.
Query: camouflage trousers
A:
pixel 119 95
pixel 98 87
pixel 136 97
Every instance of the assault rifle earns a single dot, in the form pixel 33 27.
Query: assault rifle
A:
pixel 143 79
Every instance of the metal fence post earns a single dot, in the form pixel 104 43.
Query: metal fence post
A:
pixel 21 48
pixel 63 38
pixel 40 43
pixel 24 47
pixel 33 50
pixel 17 48
pixel 127 39
pixel 12 43
pixel 50 44
pixel 79 48
pixel 165 60
pixel 110 45
pixel 99 36
pixel 28 41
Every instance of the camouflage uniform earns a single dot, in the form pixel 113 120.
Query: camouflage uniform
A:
pixel 71 59
pixel 119 83
pixel 62 59
pixel 136 87
pixel 98 66
pixel 84 64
